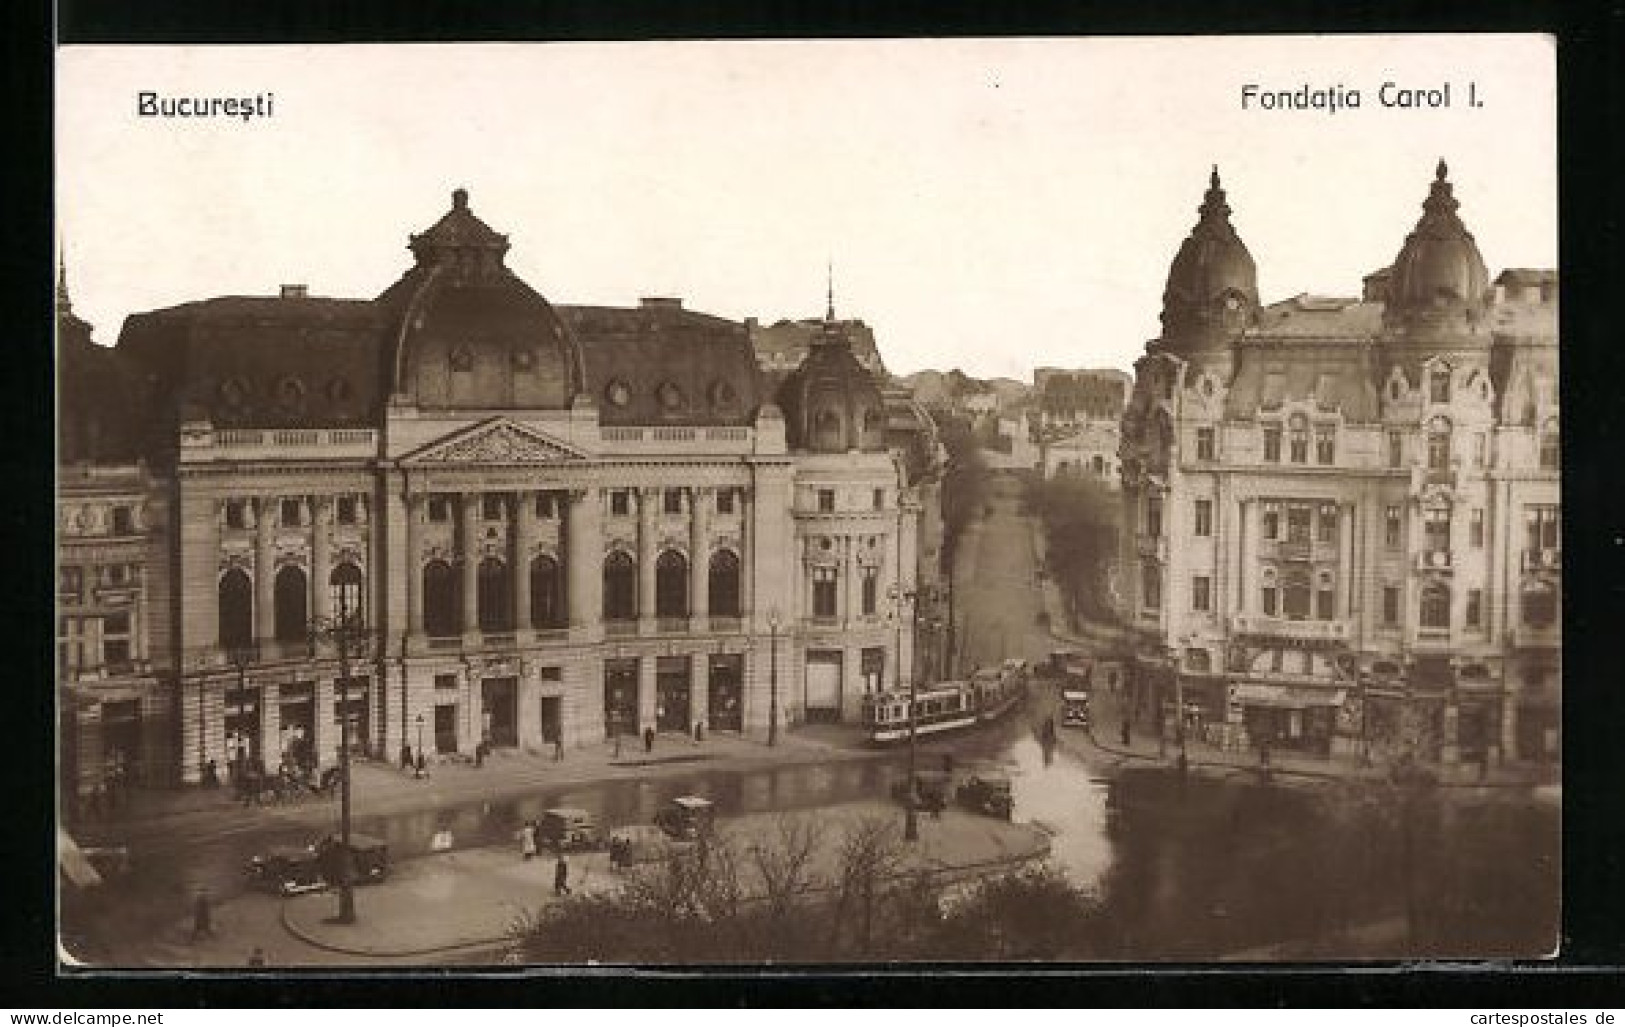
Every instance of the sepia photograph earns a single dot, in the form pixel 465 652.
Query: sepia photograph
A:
pixel 1057 501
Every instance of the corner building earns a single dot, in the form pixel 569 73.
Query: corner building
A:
pixel 1344 512
pixel 558 523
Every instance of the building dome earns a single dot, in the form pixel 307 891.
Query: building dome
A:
pixel 465 332
pixel 831 403
pixel 1439 269
pixel 1212 291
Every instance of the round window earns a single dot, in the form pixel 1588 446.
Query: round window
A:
pixel 618 393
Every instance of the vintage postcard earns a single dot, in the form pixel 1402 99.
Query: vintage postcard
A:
pixel 815 502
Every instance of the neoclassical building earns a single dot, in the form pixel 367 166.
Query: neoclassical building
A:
pixel 554 523
pixel 1344 512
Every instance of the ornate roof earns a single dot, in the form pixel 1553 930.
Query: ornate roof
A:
pixel 1212 285
pixel 1438 281
pixel 831 403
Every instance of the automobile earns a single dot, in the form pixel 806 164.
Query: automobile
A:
pixel 687 816
pixel 988 794
pixel 638 843
pixel 296 869
pixel 930 790
pixel 1074 708
pixel 567 827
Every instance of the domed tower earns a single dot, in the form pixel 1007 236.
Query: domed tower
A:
pixel 464 332
pixel 1212 291
pixel 1438 288
pixel 831 403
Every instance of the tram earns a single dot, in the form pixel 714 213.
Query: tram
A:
pixel 997 691
pixel 942 707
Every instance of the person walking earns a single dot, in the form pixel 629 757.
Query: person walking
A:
pixel 558 748
pixel 561 876
pixel 406 756
pixel 202 916
pixel 527 840
pixel 1124 734
pixel 648 739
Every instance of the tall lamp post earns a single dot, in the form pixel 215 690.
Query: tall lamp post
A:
pixel 347 633
pixel 420 736
pixel 240 657
pixel 911 820
pixel 1179 706
pixel 773 677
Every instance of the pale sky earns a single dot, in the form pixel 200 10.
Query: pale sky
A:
pixel 993 205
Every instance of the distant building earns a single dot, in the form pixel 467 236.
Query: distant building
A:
pixel 782 346
pixel 1076 421
pixel 1345 512
pixel 1087 449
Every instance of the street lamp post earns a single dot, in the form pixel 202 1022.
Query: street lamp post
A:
pixel 1179 708
pixel 773 677
pixel 347 633
pixel 420 736
pixel 911 820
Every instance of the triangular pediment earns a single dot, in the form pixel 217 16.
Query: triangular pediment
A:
pixel 497 441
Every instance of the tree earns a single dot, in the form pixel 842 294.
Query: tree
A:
pixel 1081 520
pixel 964 484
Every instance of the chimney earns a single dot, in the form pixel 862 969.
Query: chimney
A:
pixel 295 292
pixel 661 303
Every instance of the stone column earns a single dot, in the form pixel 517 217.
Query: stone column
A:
pixel 522 530
pixel 699 557
pixel 648 501
pixel 699 691
pixel 747 557
pixel 648 673
pixel 849 580
pixel 411 565
pixel 468 546
pixel 264 573
pixel 583 561
pixel 321 558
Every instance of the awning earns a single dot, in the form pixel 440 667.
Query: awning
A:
pixel 1285 696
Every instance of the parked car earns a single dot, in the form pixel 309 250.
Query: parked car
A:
pixel 929 792
pixel 569 828
pixel 687 816
pixel 988 794
pixel 638 843
pixel 295 869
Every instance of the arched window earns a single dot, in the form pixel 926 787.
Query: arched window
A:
pixel 827 428
pixel 546 593
pixel 724 584
pixel 291 598
pixel 442 612
pixel 1549 449
pixel 620 587
pixel 494 600
pixel 1298 438
pixel 236 610
pixel 671 585
pixel 1438 444
pixel 344 585
pixel 1436 605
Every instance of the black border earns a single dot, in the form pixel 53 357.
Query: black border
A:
pixel 1591 38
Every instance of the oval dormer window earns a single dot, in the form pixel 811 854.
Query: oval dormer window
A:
pixel 290 395
pixel 670 397
pixel 234 394
pixel 618 393
pixel 723 396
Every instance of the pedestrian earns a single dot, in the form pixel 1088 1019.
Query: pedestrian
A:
pixel 406 756
pixel 256 957
pixel 527 840
pixel 558 748
pixel 421 769
pixel 202 916
pixel 561 876
pixel 947 763
pixel 479 753
pixel 648 739
pixel 1124 734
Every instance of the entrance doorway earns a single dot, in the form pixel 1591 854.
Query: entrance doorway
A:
pixel 296 730
pixel 552 718
pixel 121 737
pixel 620 697
pixel 357 715
pixel 242 729
pixel 501 697
pixel 724 707
pixel 445 729
pixel 672 694
pixel 823 687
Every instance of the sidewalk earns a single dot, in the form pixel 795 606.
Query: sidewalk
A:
pixel 386 789
pixel 472 899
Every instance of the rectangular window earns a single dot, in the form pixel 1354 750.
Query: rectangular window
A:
pixel 1272 443
pixel 1153 516
pixel 344 510
pixel 72 580
pixel 290 513
pixel 1297 523
pixel 826 500
pixel 1439 386
pixel 1390 605
pixel 880 499
pixel 491 507
pixel 1150 585
pixel 1201 593
pixel 871 587
pixel 1299 442
pixel 1396 449
pixel 1204 443
pixel 116 624
pixel 1551 452
pixel 725 501
pixel 1438 450
pixel 1326 525
pixel 1475 529
pixel 117 573
pixel 674 501
pixel 1325 444
pixel 1541 527
pixel 1475 608
pixel 1325 603
pixel 545 508
pixel 1204 517
pixel 620 503
pixel 1272 521
pixel 115 651
pixel 1390 527
pixel 439 509
pixel 235 516
pixel 444 681
pixel 1436 530
pixel 123 521
pixel 823 592
pixel 1270 601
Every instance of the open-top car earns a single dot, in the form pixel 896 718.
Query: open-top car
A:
pixel 569 828
pixel 687 816
pixel 295 869
pixel 929 792
pixel 987 793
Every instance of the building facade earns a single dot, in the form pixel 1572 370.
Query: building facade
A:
pixel 1344 512
pixel 543 524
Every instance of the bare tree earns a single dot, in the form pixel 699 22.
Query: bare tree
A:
pixel 870 856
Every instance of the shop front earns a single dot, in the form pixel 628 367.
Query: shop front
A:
pixel 296 726
pixel 620 697
pixel 672 706
pixel 500 703
pixel 244 747
pixel 725 710
pixel 351 706
pixel 1295 718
